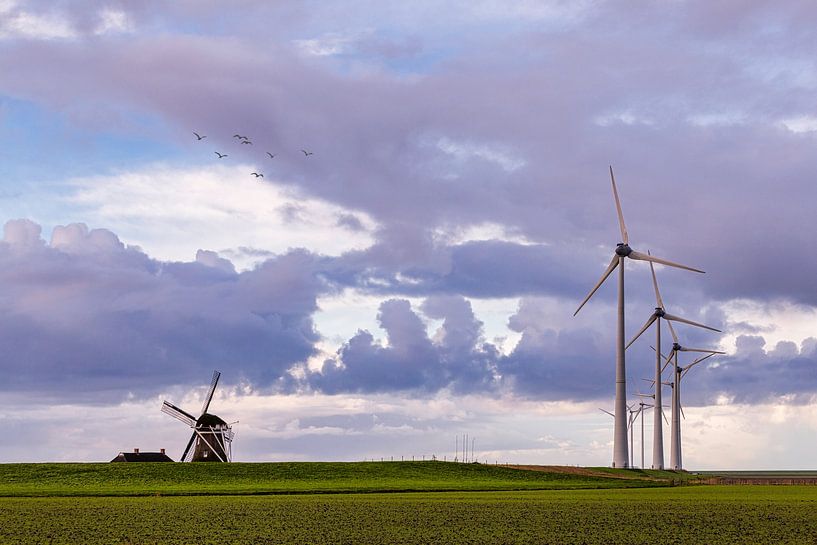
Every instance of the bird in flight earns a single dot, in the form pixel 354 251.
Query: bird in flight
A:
pixel 271 156
pixel 198 137
pixel 257 175
pixel 307 153
pixel 246 142
pixel 220 155
pixel 240 137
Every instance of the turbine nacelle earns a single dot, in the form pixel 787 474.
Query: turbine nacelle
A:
pixel 623 249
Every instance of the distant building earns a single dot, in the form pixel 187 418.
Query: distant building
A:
pixel 137 456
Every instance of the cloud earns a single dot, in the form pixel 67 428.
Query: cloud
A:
pixel 17 23
pixel 89 318
pixel 232 208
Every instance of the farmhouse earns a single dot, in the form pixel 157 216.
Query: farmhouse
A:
pixel 137 456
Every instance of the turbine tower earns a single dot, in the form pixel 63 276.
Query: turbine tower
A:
pixel 678 371
pixel 655 318
pixel 623 250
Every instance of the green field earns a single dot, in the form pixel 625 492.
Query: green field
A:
pixel 701 514
pixel 297 477
pixel 426 502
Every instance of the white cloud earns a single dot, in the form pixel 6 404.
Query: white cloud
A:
pixel 800 124
pixel 494 153
pixel 774 321
pixel 327 45
pixel 172 212
pixel 455 234
pixel 113 22
pixel 624 117
pixel 37 26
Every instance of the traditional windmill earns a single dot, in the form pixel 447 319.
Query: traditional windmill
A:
pixel 212 435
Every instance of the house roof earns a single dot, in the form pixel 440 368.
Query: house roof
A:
pixel 142 457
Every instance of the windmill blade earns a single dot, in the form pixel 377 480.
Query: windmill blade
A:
pixel 651 396
pixel 613 264
pixel 209 397
pixel 642 330
pixel 682 411
pixel 694 363
pixel 664 415
pixel 652 383
pixel 178 414
pixel 672 332
pixel 645 257
pixel 608 412
pixel 675 318
pixel 704 350
pixel 187 448
pixel 624 237
pixel 658 300
pixel 669 360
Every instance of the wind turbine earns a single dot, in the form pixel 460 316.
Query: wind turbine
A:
pixel 632 416
pixel 678 372
pixel 641 408
pixel 655 318
pixel 623 250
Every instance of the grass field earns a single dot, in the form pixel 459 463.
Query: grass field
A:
pixel 689 515
pixel 427 502
pixel 298 477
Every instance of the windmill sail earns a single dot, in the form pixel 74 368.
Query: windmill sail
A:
pixel 212 437
pixel 209 396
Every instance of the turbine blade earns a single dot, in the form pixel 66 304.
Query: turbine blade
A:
pixel 664 415
pixel 613 264
pixel 624 237
pixel 694 363
pixel 703 350
pixel 672 332
pixel 645 257
pixel 682 411
pixel 669 360
pixel 658 300
pixel 675 318
pixel 642 330
pixel 608 412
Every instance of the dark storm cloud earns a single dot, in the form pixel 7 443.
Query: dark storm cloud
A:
pixel 86 317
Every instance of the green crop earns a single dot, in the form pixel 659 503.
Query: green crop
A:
pixel 690 515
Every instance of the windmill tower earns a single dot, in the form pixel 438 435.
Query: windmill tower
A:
pixel 213 437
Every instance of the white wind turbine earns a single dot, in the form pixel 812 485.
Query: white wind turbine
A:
pixel 678 372
pixel 655 318
pixel 632 416
pixel 623 250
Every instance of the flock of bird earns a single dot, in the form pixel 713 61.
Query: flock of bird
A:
pixel 245 140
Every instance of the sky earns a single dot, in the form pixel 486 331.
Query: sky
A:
pixel 414 277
